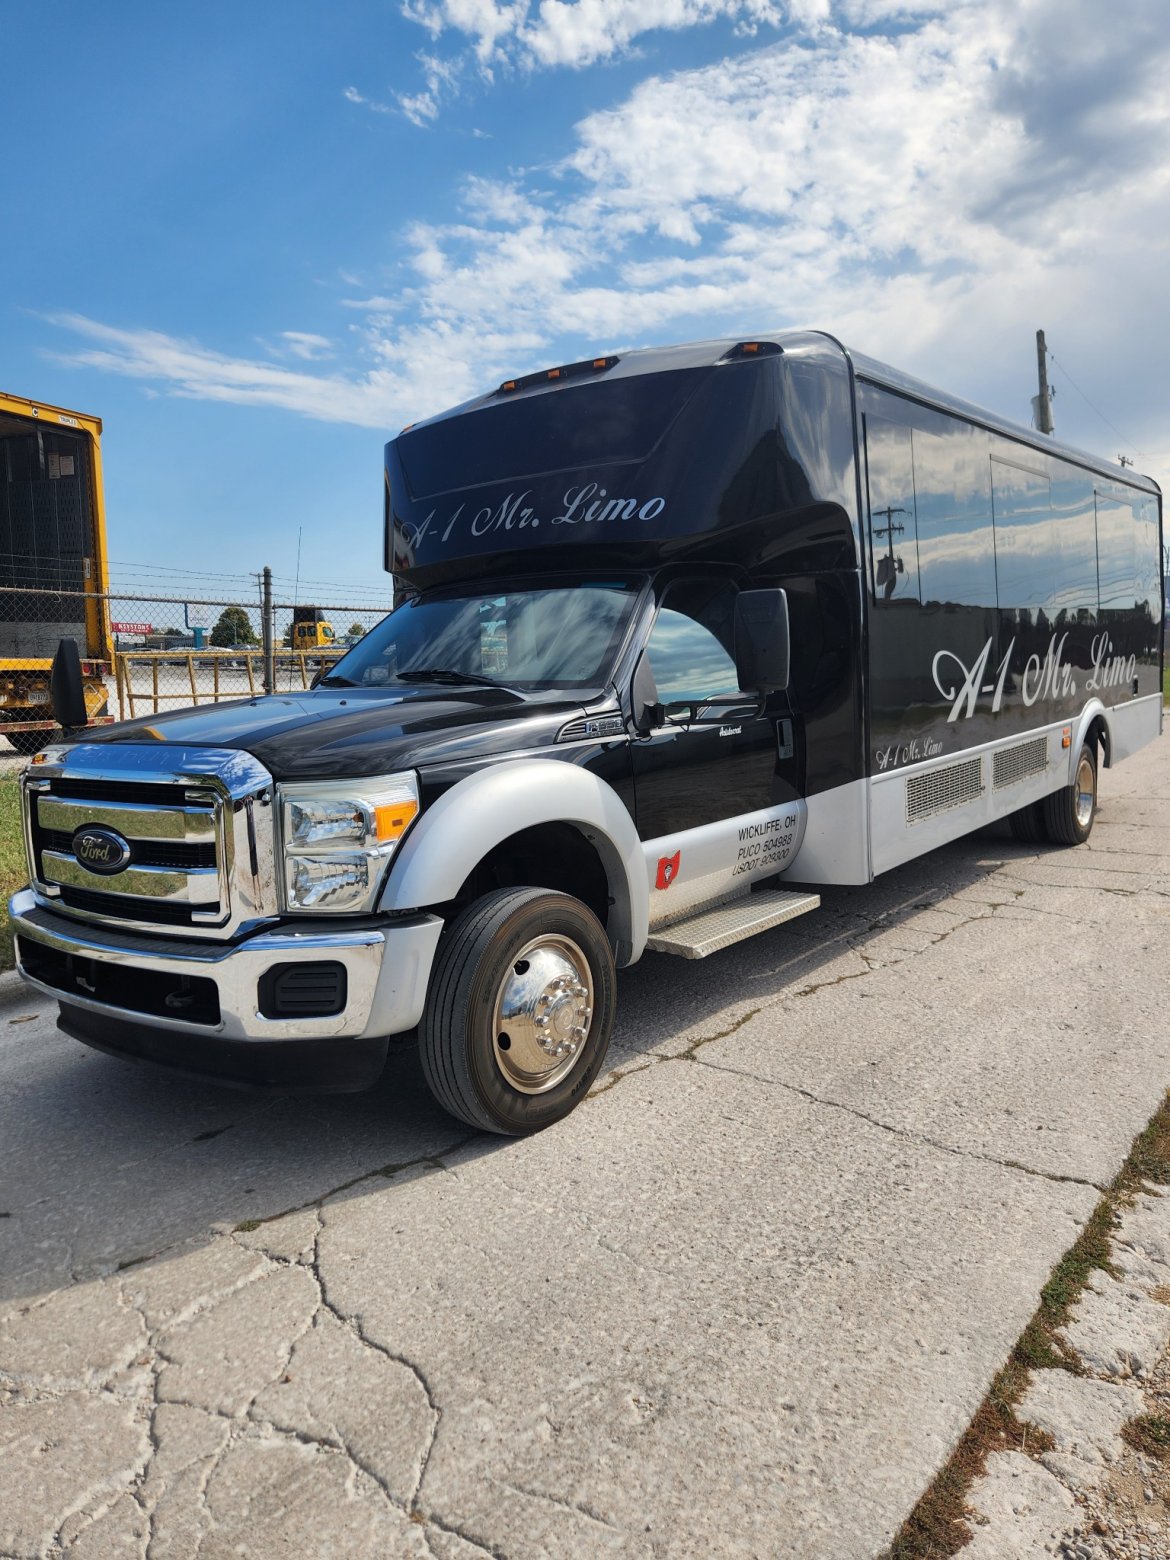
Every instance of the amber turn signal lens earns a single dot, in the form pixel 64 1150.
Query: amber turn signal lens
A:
pixel 395 818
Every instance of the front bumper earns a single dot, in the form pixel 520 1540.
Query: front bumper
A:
pixel 387 967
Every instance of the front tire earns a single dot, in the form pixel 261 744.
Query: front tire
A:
pixel 519 1012
pixel 1069 812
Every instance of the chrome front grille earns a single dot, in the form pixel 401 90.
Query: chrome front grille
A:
pixel 175 852
pixel 178 855
pixel 197 847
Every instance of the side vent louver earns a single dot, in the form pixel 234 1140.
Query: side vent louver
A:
pixel 940 789
pixel 1018 762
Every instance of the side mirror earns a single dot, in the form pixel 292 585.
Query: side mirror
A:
pixel 67 686
pixel 761 640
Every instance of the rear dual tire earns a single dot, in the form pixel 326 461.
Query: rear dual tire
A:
pixel 1066 816
pixel 1069 812
pixel 1027 825
pixel 519 1012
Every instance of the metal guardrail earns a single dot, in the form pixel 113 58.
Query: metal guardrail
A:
pixel 300 665
pixel 141 654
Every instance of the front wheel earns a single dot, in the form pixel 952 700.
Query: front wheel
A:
pixel 520 1010
pixel 1068 813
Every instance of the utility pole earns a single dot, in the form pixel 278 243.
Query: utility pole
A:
pixel 1042 403
pixel 267 635
pixel 888 576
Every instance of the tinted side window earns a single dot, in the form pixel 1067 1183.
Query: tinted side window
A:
pixel 690 645
pixel 1116 550
pixel 1027 545
pixel 893 533
pixel 1074 514
pixel 956 545
pixel 1148 557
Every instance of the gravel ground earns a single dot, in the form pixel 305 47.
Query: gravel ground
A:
pixel 1090 1493
pixel 1127 1515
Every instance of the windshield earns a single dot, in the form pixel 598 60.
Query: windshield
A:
pixel 551 636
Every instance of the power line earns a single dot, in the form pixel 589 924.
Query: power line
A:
pixel 1096 409
pixel 169 568
pixel 365 586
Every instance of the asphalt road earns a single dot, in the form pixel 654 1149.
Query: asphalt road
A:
pixel 742 1302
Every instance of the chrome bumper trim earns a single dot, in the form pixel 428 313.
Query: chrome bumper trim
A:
pixel 388 968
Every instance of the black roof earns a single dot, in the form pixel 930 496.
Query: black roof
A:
pixel 821 344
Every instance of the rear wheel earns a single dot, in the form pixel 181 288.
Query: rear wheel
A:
pixel 520 1010
pixel 1068 813
pixel 1027 825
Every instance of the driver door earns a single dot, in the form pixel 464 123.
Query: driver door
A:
pixel 700 786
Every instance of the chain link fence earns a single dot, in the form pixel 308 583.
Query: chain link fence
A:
pixel 142 655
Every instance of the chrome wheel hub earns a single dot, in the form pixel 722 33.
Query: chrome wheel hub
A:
pixel 1086 793
pixel 543 1013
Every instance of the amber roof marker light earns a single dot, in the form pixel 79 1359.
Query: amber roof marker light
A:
pixel 543 376
pixel 749 349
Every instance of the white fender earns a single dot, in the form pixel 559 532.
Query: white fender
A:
pixel 492 804
pixel 1086 718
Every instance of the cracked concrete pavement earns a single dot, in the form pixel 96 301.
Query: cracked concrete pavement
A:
pixel 743 1302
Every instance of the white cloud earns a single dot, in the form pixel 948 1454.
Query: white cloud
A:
pixel 931 194
pixel 441 79
pixel 304 344
pixel 543 34
pixel 188 369
pixel 577 33
pixel 352 95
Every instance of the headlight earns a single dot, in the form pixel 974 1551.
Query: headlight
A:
pixel 338 837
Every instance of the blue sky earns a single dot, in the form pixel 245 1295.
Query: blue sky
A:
pixel 257 239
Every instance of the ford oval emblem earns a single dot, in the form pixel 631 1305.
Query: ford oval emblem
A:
pixel 101 850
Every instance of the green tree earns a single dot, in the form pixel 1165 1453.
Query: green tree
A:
pixel 356 630
pixel 234 628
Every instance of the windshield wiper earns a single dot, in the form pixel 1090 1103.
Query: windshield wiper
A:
pixel 446 674
pixel 335 680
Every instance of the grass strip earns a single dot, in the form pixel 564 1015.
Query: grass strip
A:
pixel 13 868
pixel 937 1528
pixel 1150 1435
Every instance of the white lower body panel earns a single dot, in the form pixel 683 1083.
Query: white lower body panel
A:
pixel 1131 726
pixel 700 867
pixel 836 838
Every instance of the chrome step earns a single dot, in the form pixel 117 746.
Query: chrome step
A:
pixel 728 923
